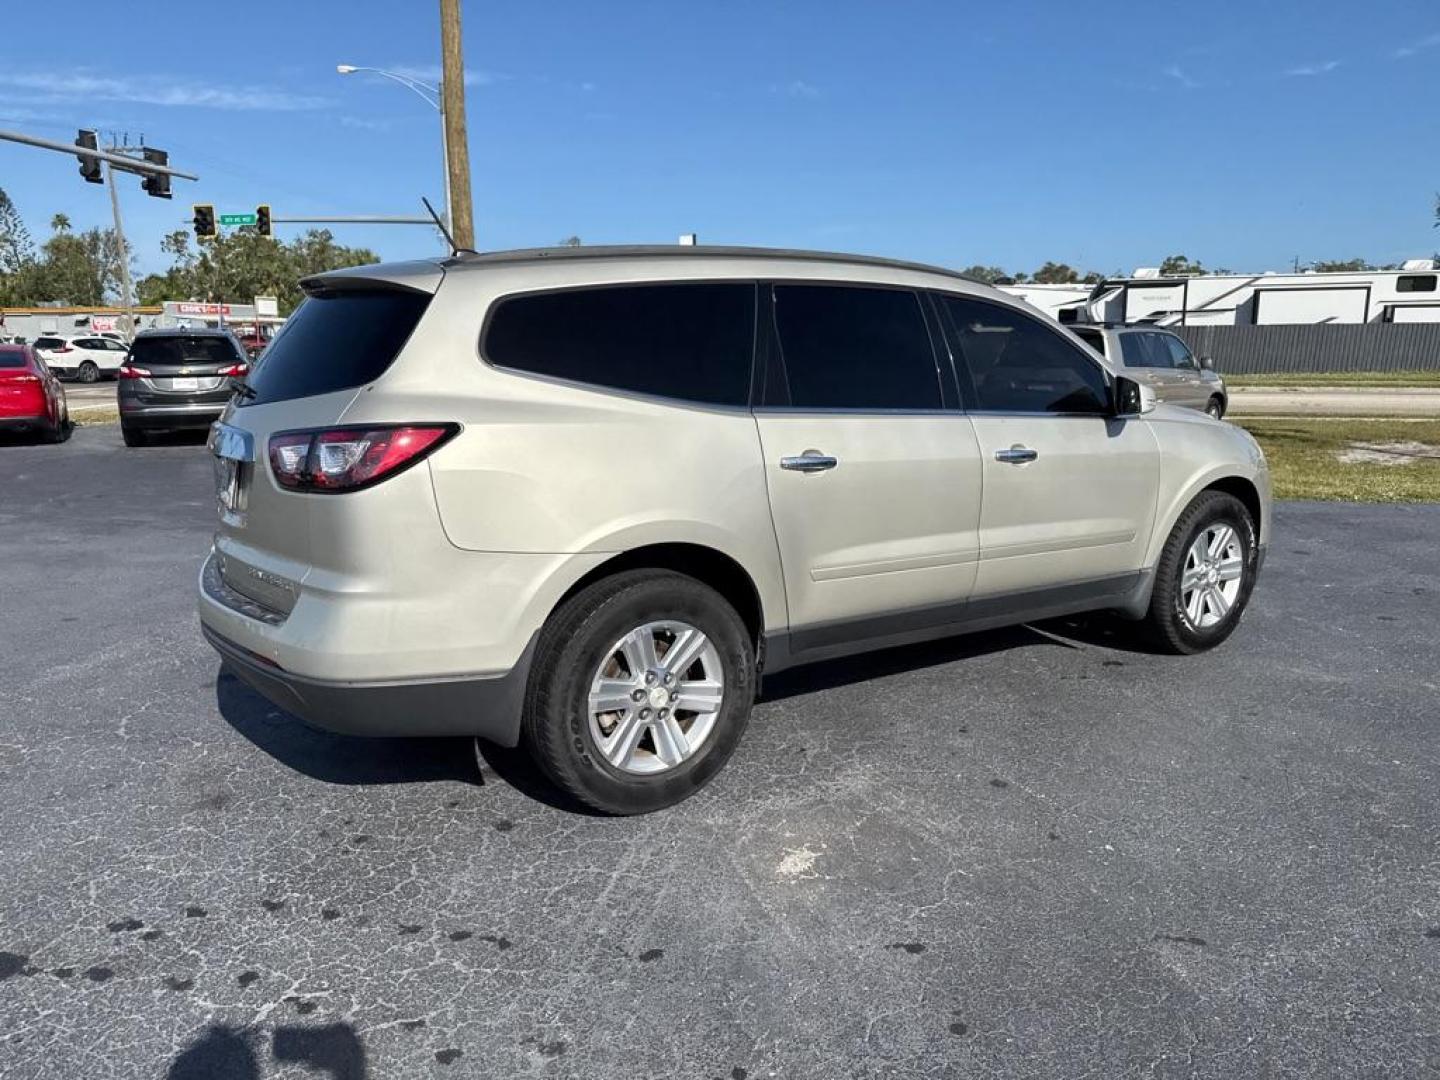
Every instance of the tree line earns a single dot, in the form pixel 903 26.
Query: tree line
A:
pixel 83 269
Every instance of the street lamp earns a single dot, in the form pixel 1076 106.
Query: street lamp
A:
pixel 428 94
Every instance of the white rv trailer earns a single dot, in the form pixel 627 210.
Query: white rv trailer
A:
pixel 1411 294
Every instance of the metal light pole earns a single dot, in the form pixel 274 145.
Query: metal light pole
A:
pixel 127 292
pixel 432 96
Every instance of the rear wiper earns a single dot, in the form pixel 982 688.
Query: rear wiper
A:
pixel 241 387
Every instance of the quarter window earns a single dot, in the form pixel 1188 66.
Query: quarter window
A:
pixel 691 342
pixel 1017 364
pixel 850 347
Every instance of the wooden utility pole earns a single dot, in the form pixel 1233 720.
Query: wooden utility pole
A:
pixel 457 145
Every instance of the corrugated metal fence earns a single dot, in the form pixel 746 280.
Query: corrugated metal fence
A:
pixel 1249 350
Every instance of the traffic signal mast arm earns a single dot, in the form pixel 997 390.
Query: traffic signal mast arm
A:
pixel 117 161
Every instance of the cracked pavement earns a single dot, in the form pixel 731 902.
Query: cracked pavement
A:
pixel 1037 852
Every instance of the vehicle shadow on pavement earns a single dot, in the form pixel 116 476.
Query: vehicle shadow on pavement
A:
pixel 828 674
pixel 340 759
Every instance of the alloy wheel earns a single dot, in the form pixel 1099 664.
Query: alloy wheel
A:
pixel 655 697
pixel 1211 578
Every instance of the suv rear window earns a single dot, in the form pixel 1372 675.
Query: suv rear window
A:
pixel 178 349
pixel 334 342
pixel 690 342
pixel 48 342
pixel 12 358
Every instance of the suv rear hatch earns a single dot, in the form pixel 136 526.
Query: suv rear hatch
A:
pixel 174 369
pixel 343 337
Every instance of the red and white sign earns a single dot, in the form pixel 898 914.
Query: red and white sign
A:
pixel 202 309
pixel 99 323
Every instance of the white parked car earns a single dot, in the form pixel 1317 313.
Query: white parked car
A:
pixel 85 357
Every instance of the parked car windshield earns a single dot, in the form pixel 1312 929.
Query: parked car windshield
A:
pixel 335 342
pixel 178 350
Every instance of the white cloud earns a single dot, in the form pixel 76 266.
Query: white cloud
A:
pixel 796 88
pixel 360 123
pixel 82 87
pixel 430 73
pixel 1306 70
pixel 1174 71
pixel 1429 41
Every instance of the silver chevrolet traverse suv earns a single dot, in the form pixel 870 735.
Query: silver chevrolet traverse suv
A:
pixel 582 499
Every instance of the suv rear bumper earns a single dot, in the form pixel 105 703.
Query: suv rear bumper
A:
pixel 484 705
pixel 190 415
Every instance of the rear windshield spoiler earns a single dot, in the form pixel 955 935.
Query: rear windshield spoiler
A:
pixel 420 276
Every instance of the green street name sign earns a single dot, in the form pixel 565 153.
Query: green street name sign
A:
pixel 237 219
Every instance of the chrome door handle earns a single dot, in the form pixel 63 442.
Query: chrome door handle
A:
pixel 1016 455
pixel 809 461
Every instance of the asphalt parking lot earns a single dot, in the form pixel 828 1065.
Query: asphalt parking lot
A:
pixel 1037 852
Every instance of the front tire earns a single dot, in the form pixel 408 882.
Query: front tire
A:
pixel 89 373
pixel 641 689
pixel 1205 575
pixel 1215 408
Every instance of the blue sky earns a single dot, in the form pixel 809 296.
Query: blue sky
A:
pixel 1102 135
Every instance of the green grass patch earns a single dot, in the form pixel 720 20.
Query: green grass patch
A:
pixel 1339 379
pixel 1305 458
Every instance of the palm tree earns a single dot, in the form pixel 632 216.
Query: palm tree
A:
pixel 60 223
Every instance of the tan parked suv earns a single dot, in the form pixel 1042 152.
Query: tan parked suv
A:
pixel 583 499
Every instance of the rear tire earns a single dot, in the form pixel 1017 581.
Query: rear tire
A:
pixel 60 432
pixel 583 654
pixel 88 372
pixel 1205 575
pixel 133 436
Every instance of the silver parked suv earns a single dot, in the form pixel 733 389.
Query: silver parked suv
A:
pixel 1162 361
pixel 584 498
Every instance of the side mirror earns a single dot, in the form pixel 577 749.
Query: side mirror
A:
pixel 1208 363
pixel 1132 398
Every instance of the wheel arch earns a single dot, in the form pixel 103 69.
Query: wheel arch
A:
pixel 705 564
pixel 1244 488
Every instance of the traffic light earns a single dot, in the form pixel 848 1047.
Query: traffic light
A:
pixel 204 221
pixel 156 184
pixel 262 220
pixel 89 166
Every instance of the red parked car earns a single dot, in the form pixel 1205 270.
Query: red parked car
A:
pixel 31 398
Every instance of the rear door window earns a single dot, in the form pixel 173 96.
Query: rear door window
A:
pixel 1018 364
pixel 691 342
pixel 1145 350
pixel 853 347
pixel 336 341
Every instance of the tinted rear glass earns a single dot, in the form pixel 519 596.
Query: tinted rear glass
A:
pixel 48 343
pixel 849 347
pixel 12 358
pixel 336 342
pixel 183 351
pixel 691 342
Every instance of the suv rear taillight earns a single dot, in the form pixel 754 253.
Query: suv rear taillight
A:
pixel 350 458
pixel 129 371
pixel 235 371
